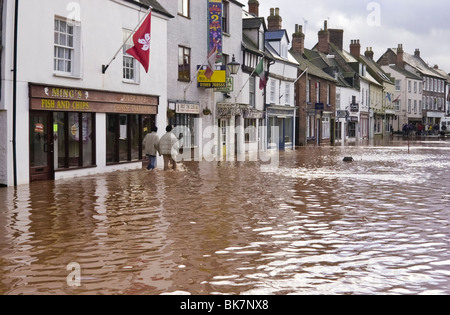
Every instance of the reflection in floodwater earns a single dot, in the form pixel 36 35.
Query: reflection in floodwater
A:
pixel 313 225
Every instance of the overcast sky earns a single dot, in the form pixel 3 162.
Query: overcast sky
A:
pixel 378 24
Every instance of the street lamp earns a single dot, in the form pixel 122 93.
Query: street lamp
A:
pixel 233 66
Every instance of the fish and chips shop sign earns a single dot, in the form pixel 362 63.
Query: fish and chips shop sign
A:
pixel 55 98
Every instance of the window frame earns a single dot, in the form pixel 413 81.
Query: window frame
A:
pixel 183 6
pixel 134 67
pixel 184 70
pixel 73 48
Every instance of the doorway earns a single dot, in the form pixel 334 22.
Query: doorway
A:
pixel 41 146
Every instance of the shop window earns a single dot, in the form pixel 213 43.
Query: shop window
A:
pixel 184 129
pixel 288 130
pixel 124 136
pixel 74 135
pixel 250 130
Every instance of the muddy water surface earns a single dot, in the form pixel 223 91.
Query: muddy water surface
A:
pixel 312 225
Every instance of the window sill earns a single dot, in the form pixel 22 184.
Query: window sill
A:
pixel 131 82
pixel 124 163
pixel 74 168
pixel 66 75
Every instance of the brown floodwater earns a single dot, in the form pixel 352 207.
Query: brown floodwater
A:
pixel 311 225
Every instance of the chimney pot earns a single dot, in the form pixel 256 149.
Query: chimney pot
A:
pixel 417 53
pixel 298 40
pixel 355 48
pixel 400 56
pixel 324 40
pixel 369 53
pixel 274 21
pixel 253 7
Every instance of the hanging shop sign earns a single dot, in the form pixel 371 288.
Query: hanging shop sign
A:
pixel 218 79
pixel 57 98
pixel 215 13
pixel 229 86
pixel 354 108
pixel 186 108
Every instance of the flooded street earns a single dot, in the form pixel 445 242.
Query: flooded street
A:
pixel 313 225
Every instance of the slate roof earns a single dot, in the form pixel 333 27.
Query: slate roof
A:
pixel 405 72
pixel 157 7
pixel 312 68
pixel 252 23
pixel 376 71
pixel 419 64
pixel 276 35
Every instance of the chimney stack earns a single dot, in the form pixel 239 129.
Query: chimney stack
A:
pixel 369 53
pixel 337 38
pixel 324 40
pixel 400 56
pixel 355 48
pixel 417 53
pixel 253 7
pixel 274 21
pixel 298 40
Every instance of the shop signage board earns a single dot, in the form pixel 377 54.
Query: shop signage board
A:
pixel 57 98
pixel 218 79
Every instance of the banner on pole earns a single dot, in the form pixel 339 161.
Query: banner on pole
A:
pixel 215 14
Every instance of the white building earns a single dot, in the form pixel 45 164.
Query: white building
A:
pixel 198 107
pixel 281 111
pixel 407 97
pixel 253 46
pixel 67 118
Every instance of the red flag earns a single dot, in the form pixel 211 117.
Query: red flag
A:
pixel 211 67
pixel 141 40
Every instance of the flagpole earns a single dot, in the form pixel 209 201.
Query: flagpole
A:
pixel 196 74
pixel 105 67
pixel 301 75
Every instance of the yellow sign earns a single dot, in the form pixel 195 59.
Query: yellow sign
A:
pixel 218 79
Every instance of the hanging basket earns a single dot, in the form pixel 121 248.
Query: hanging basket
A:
pixel 170 113
pixel 206 112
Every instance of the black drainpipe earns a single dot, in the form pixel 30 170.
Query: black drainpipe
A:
pixel 16 27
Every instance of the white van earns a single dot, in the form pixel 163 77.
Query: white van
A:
pixel 445 122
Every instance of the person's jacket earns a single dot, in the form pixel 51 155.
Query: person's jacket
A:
pixel 151 144
pixel 169 145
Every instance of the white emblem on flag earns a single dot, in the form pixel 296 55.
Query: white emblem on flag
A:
pixel 145 42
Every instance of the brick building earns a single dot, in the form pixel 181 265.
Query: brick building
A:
pixel 315 94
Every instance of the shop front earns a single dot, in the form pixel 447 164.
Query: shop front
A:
pixel 281 127
pixel 240 130
pixel 184 117
pixel 75 129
